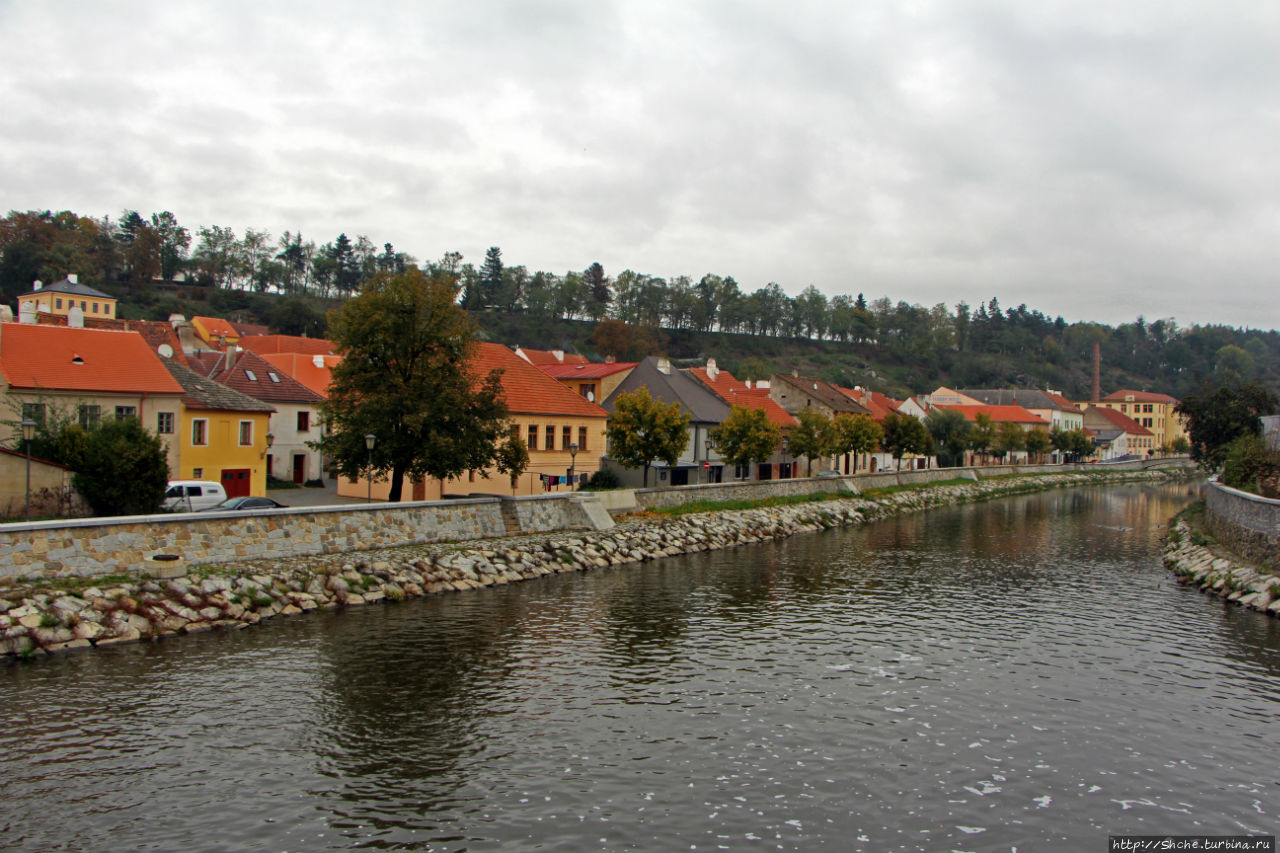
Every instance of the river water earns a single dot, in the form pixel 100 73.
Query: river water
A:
pixel 1015 675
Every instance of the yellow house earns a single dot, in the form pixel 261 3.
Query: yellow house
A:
pixel 216 332
pixel 594 380
pixel 1151 410
pixel 59 298
pixel 223 434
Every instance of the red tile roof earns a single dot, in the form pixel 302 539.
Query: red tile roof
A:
pixel 263 344
pixel 541 356
pixel 1062 401
pixel 1118 420
pixel 736 393
pixel 595 370
pixel 1138 397
pixel 216 326
pixel 879 404
pixel 527 389
pixel 63 358
pixel 1016 414
pixel 304 368
pixel 252 374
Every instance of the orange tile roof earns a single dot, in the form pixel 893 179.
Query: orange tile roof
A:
pixel 1016 414
pixel 1061 401
pixel 879 404
pixel 215 326
pixel 1138 397
pixel 541 356
pixel 735 392
pixel 263 344
pixel 252 374
pixel 597 370
pixel 527 389
pixel 66 359
pixel 1118 420
pixel 304 369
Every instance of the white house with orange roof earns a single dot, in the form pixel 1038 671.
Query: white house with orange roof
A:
pixel 753 395
pixel 87 374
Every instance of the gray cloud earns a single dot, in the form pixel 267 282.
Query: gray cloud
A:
pixel 1094 161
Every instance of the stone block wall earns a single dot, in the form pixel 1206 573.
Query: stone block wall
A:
pixel 1247 523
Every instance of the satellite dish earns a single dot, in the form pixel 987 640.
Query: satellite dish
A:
pixel 165 351
pixel 591 396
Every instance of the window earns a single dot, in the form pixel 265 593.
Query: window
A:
pixel 246 433
pixel 197 473
pixel 33 412
pixel 304 421
pixel 126 412
pixel 272 376
pixel 551 438
pixel 164 423
pixel 251 375
pixel 83 305
pixel 95 308
pixel 199 433
pixel 582 438
pixel 1146 407
pixel 533 437
pixel 566 437
pixel 106 309
pixel 59 301
pixel 588 390
pixel 90 415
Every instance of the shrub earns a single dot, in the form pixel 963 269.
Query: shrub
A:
pixel 124 470
pixel 601 480
pixel 1249 464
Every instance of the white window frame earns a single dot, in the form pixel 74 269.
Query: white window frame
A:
pixel 241 433
pixel 200 426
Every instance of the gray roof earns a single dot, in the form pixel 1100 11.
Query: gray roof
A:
pixel 1027 398
pixel 674 387
pixel 205 393
pixel 75 288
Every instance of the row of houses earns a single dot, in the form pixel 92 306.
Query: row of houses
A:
pixel 236 404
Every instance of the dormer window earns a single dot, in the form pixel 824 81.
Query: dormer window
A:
pixel 76 359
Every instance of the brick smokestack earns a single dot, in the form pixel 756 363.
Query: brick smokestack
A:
pixel 1095 391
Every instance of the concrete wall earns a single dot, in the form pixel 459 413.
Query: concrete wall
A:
pixel 1247 523
pixel 94 547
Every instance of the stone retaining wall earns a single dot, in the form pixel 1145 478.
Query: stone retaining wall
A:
pixel 1247 523
pixel 1198 565
pixel 96 547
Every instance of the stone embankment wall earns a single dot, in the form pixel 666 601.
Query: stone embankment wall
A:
pixel 1246 523
pixel 108 546
pixel 243 593
pixel 1198 565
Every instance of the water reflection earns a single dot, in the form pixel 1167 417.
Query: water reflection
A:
pixel 1019 673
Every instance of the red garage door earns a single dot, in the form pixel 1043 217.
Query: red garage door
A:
pixel 236 482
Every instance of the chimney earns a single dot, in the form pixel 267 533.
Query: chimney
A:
pixel 664 366
pixel 747 383
pixel 610 359
pixel 317 360
pixel 74 278
pixel 763 385
pixel 37 284
pixel 559 354
pixel 1095 390
pixel 6 314
pixel 75 317
pixel 231 357
pixel 26 312
pixel 712 370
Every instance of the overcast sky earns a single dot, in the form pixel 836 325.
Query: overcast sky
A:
pixel 1094 160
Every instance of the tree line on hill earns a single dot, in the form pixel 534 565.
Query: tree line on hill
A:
pixel 919 346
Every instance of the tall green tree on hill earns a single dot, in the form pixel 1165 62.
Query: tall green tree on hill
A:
pixel 598 294
pixel 406 379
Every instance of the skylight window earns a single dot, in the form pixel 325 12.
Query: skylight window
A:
pixel 252 378
pixel 274 378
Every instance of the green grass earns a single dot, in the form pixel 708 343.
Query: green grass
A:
pixel 882 491
pixel 717 506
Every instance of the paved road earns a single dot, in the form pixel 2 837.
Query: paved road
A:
pixel 327 496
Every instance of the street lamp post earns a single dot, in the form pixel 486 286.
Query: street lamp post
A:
pixel 368 474
pixel 573 461
pixel 706 460
pixel 28 433
pixel 786 443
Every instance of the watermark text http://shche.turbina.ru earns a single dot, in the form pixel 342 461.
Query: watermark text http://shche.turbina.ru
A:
pixel 1133 843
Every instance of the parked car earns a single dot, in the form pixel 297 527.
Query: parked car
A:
pixel 245 503
pixel 192 495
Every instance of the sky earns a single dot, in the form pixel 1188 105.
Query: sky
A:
pixel 1094 160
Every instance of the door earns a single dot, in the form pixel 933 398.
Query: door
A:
pixel 299 468
pixel 235 481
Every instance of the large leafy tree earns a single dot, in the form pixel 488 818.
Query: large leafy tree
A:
pixel 405 378
pixel 982 434
pixel 123 469
pixel 1038 443
pixel 814 436
pixel 904 435
pixel 643 430
pixel 746 435
pixel 950 433
pixel 1009 439
pixel 1217 416
pixel 856 434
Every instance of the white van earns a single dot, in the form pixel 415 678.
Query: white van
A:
pixel 192 495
